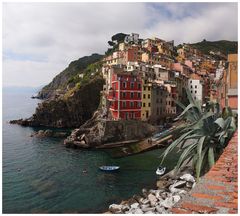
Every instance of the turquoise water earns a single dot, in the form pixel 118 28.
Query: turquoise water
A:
pixel 42 176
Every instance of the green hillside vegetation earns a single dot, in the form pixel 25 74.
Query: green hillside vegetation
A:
pixel 61 81
pixel 91 72
pixel 223 46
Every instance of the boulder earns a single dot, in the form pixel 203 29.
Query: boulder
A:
pixel 137 197
pixel 134 205
pixel 150 212
pixel 164 195
pixel 146 209
pixel 153 200
pixel 167 203
pixel 114 208
pixel 145 201
pixel 137 211
pixel 145 192
pixel 125 208
pixel 187 177
pixel 176 198
pixel 160 209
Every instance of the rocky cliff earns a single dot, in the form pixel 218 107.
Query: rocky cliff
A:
pixel 98 131
pixel 70 110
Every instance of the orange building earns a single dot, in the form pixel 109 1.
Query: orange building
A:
pixel 232 81
pixel 229 84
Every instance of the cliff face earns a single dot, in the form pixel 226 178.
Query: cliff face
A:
pixel 62 81
pixel 69 111
pixel 98 130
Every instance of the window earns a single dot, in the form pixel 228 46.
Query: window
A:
pixel 124 94
pixel 124 104
pixel 194 98
pixel 191 86
pixel 139 95
pixel 149 104
pixel 191 81
pixel 148 96
pixel 143 104
pixel 139 104
pixel 161 101
pixel 157 92
pixel 191 91
pixel 149 88
pixel 144 88
pixel 195 92
pixel 157 111
pixel 157 101
pixel 132 85
pixel 132 94
pixel 130 115
pixel 195 86
pixel 139 85
pixel 124 85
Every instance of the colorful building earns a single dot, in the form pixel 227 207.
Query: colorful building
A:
pixel 196 87
pixel 125 95
pixel 232 81
pixel 146 99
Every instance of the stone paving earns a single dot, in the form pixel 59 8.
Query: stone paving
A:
pixel 217 191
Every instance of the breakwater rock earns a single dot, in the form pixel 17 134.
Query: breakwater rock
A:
pixel 158 201
pixel 49 133
pixel 99 130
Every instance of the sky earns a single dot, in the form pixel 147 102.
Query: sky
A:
pixel 41 39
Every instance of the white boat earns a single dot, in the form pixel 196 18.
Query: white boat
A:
pixel 109 168
pixel 160 170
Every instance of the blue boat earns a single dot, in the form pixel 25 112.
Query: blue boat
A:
pixel 109 168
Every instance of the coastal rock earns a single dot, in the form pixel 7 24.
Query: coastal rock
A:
pixel 138 211
pixel 98 131
pixel 134 205
pixel 176 198
pixel 145 192
pixel 125 208
pixel 150 212
pixel 70 110
pixel 188 177
pixel 131 201
pixel 145 201
pixel 49 133
pixel 164 195
pixel 137 198
pixel 153 200
pixel 167 203
pixel 160 209
pixel 115 208
pixel 146 209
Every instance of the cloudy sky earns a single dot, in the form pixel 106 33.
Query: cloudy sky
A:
pixel 41 39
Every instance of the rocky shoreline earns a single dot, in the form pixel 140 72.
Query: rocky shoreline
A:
pixel 98 131
pixel 160 200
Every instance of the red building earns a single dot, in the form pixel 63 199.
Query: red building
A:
pixel 125 95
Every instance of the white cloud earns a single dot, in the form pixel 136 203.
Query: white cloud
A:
pixel 57 33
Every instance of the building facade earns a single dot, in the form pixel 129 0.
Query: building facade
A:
pixel 125 95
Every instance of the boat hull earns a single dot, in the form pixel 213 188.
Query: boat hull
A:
pixel 109 168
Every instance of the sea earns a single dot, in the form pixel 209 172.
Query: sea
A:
pixel 41 175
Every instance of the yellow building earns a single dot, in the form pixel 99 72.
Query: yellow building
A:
pixel 146 100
